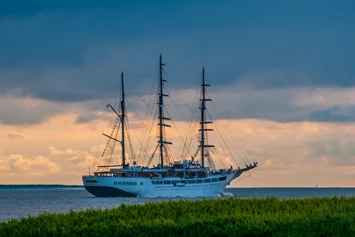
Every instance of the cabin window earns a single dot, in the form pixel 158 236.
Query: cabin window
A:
pixel 222 178
pixel 141 183
pixel 207 180
pixel 135 183
pixel 191 181
pixel 214 180
pixel 153 182
pixel 199 181
pixel 167 182
pixel 159 182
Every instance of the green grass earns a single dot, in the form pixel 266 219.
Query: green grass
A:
pixel 210 217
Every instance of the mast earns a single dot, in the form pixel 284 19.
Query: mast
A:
pixel 203 121
pixel 161 112
pixel 123 116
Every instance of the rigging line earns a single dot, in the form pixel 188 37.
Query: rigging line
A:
pixel 222 138
pixel 239 150
pixel 152 156
pixel 184 119
pixel 111 147
pixel 129 131
pixel 131 106
pixel 197 151
pixel 136 84
pixel 171 155
pixel 111 158
pixel 111 121
pixel 225 153
pixel 108 141
pixel 174 87
pixel 175 127
pixel 105 161
pixel 118 92
pixel 242 151
pixel 208 150
pixel 151 105
pixel 172 102
pixel 101 139
pixel 220 144
pixel 244 154
pixel 196 96
pixel 210 161
pixel 181 98
pixel 150 121
pixel 192 125
pixel 240 139
pixel 188 144
pixel 221 161
pixel 193 138
pixel 168 154
pixel 147 143
pixel 139 119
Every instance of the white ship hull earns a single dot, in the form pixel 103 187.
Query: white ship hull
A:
pixel 111 186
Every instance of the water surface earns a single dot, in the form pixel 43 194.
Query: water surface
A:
pixel 22 201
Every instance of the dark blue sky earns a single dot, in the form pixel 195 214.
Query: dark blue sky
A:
pixel 75 50
pixel 309 37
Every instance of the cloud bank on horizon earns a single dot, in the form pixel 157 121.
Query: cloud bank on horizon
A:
pixel 283 63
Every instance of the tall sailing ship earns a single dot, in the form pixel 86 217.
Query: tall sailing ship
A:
pixel 184 178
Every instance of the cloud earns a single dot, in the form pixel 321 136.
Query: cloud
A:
pixel 83 159
pixel 282 150
pixel 286 105
pixel 55 151
pixel 16 163
pixel 331 104
pixel 26 110
pixel 15 136
pixel 86 117
pixel 338 113
pixel 333 151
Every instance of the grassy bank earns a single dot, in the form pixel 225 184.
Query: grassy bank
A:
pixel 217 217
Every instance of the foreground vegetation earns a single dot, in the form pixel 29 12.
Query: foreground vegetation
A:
pixel 211 217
